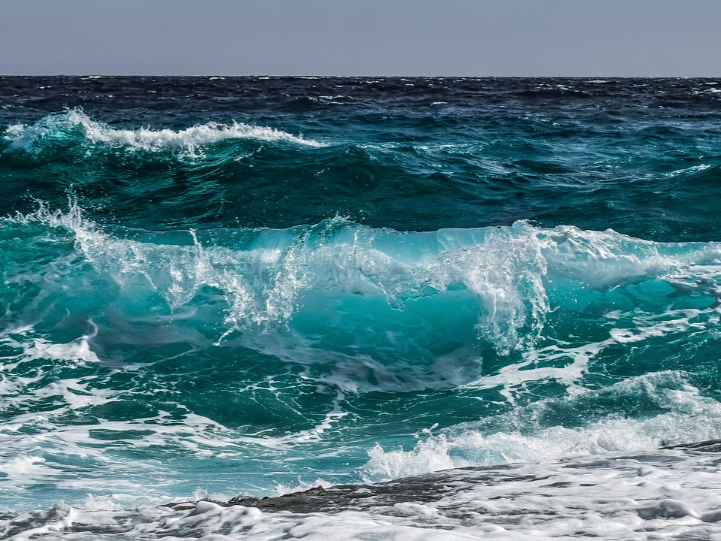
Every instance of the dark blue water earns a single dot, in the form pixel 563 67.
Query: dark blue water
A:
pixel 231 284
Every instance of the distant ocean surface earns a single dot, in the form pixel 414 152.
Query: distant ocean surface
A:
pixel 249 285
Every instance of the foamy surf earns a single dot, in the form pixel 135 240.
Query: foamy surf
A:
pixel 614 496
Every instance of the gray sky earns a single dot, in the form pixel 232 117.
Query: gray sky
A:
pixel 362 37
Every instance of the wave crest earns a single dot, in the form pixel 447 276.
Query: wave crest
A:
pixel 76 124
pixel 376 305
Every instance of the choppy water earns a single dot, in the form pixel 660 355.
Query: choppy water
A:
pixel 244 285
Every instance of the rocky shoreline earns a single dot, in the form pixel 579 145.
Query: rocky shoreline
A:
pixel 419 489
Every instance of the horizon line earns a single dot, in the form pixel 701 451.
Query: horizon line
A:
pixel 315 76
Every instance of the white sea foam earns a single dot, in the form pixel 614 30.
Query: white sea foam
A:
pixel 689 170
pixel 301 486
pixel 615 496
pixel 690 417
pixel 75 121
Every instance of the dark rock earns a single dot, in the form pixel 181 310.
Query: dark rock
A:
pixel 710 446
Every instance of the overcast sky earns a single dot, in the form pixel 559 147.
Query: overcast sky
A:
pixel 362 37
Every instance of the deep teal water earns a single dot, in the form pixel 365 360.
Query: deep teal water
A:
pixel 234 284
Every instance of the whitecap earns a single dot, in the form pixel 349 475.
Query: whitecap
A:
pixel 76 121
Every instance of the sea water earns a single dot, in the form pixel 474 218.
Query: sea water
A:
pixel 224 286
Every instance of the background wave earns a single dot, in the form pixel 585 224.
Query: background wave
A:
pixel 410 154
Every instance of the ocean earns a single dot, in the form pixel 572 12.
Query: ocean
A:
pixel 454 308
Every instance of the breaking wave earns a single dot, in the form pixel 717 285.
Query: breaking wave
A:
pixel 374 297
pixel 74 126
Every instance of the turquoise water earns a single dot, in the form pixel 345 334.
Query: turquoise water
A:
pixel 247 285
